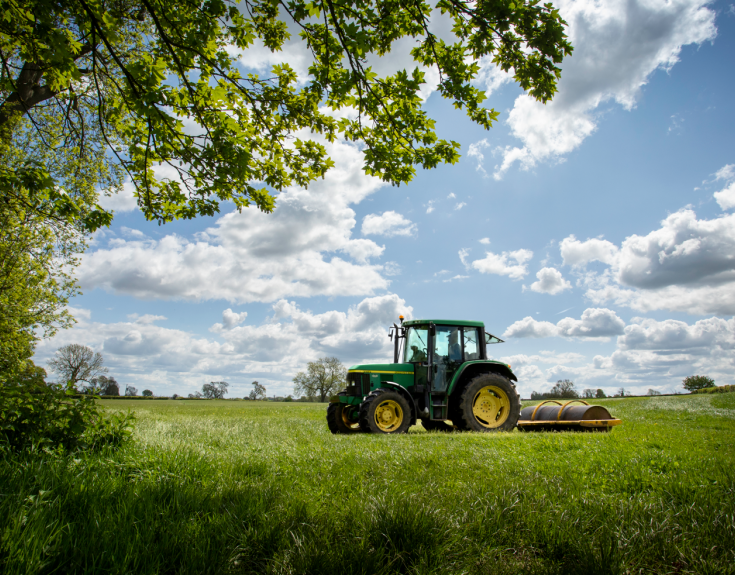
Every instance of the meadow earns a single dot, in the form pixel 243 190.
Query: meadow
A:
pixel 257 487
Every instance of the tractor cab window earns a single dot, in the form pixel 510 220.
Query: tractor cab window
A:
pixel 447 346
pixel 471 347
pixel 490 338
pixel 416 344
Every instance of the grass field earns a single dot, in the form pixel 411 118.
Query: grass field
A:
pixel 245 487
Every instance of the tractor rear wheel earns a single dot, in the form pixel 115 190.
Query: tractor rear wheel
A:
pixel 339 420
pixel 489 402
pixel 385 411
pixel 431 425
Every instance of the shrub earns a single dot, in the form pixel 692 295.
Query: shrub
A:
pixel 35 416
pixel 695 382
pixel 720 389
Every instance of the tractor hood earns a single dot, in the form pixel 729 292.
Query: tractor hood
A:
pixel 382 368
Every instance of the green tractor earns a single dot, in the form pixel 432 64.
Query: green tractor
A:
pixel 440 373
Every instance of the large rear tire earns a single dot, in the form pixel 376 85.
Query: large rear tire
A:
pixel 338 419
pixel 489 403
pixel 385 411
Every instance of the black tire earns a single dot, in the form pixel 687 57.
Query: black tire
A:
pixel 431 425
pixel 385 411
pixel 489 403
pixel 337 420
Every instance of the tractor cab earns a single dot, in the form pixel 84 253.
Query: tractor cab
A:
pixel 438 349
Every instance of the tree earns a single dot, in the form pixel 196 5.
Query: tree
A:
pixel 600 394
pixel 588 394
pixel 695 382
pixel 215 389
pixel 75 362
pixel 195 395
pixel 258 392
pixel 147 393
pixel 653 392
pixel 620 393
pixel 147 83
pixel 37 254
pixel 322 378
pixel 107 385
pixel 131 391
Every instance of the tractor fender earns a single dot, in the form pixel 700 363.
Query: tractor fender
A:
pixel 473 368
pixel 402 390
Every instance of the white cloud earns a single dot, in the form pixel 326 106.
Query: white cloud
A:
pixel 475 151
pixel 146 319
pixel 686 265
pixel 485 241
pixel 670 350
pixel 595 324
pixel 430 206
pixel 511 264
pixel 550 281
pixel 451 196
pixel 576 253
pixel 460 205
pixel 302 249
pixel 231 319
pixel 388 224
pixel 123 201
pixel 618 45
pixel 530 328
pixel 175 361
pixel 726 197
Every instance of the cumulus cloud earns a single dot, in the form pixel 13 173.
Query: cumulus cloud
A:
pixel 671 350
pixel 511 264
pixel 123 201
pixel 726 197
pixel 229 320
pixel 595 324
pixel 388 224
pixel 686 265
pixel 304 248
pixel 618 45
pixel 576 253
pixel 272 352
pixel 550 281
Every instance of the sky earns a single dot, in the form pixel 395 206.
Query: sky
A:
pixel 594 234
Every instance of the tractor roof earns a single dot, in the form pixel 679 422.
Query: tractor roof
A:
pixel 463 323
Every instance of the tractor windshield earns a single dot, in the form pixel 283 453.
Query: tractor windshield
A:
pixel 416 338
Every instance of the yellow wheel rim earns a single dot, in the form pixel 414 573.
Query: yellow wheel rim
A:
pixel 491 407
pixel 388 416
pixel 347 422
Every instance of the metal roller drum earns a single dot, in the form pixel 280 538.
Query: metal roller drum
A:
pixel 560 417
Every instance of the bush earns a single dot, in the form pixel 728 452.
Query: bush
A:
pixel 720 389
pixel 34 416
pixel 695 382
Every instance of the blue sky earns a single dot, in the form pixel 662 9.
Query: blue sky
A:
pixel 595 234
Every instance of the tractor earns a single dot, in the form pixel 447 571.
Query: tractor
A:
pixel 441 373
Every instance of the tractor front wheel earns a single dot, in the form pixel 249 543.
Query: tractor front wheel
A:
pixel 489 402
pixel 385 411
pixel 340 420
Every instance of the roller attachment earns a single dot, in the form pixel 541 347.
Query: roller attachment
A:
pixel 560 417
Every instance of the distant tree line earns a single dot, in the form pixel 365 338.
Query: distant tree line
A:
pixel 564 389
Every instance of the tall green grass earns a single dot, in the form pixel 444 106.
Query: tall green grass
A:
pixel 246 487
